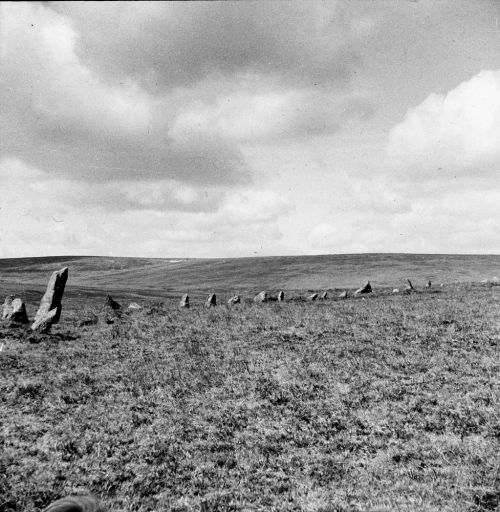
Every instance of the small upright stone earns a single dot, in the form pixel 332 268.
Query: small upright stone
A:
pixel 367 288
pixel 281 296
pixel 429 284
pixel 211 301
pixel 343 295
pixel 312 297
pixel 50 308
pixel 184 303
pixel 234 300
pixel 111 303
pixel 324 296
pixel 261 297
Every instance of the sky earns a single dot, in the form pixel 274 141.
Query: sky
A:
pixel 225 129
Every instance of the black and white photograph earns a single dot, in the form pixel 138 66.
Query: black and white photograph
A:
pixel 250 256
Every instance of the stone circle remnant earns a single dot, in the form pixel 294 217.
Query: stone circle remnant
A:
pixel 50 308
pixel 234 300
pixel 14 310
pixel 211 301
pixel 261 297
pixel 367 288
pixel 184 303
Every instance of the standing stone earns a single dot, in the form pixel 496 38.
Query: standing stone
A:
pixel 211 301
pixel 281 296
pixel 184 303
pixel 7 307
pixel 429 284
pixel 409 287
pixel 234 300
pixel 18 312
pixel 343 295
pixel 261 297
pixel 324 296
pixel 50 308
pixel 111 303
pixel 367 288
pixel 312 297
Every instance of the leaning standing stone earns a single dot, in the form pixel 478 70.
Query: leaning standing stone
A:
pixel 312 297
pixel 211 301
pixel 184 303
pixel 324 296
pixel 50 308
pixel 343 295
pixel 234 300
pixel 261 297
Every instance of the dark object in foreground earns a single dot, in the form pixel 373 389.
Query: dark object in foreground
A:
pixel 50 308
pixel 367 288
pixel 75 504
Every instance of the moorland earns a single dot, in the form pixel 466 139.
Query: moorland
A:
pixel 386 402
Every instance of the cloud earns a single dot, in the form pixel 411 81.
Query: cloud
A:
pixel 267 115
pixel 456 135
pixel 42 214
pixel 301 43
pixel 61 116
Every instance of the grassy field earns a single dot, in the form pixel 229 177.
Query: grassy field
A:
pixel 383 403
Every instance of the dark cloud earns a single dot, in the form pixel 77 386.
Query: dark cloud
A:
pixel 167 44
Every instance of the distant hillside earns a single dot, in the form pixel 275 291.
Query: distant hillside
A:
pixel 169 276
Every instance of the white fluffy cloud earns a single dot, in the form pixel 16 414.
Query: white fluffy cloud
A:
pixel 41 70
pixel 451 135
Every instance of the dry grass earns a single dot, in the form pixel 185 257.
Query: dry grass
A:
pixel 386 404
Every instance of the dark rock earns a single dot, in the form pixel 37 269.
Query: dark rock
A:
pixel 367 288
pixel 211 301
pixel 50 308
pixel 234 300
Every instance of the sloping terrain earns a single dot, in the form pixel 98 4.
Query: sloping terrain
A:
pixel 169 277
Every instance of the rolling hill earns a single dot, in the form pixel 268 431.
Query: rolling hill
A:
pixel 168 277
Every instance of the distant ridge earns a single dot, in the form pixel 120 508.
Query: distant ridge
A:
pixel 158 276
